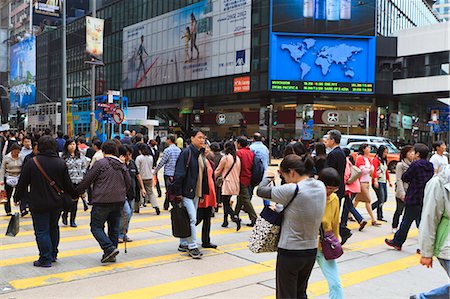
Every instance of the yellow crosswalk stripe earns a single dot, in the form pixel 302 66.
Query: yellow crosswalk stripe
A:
pixel 72 275
pixel 91 250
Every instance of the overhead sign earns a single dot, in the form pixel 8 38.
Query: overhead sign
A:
pixel 94 37
pixel 407 122
pixel 394 120
pixel 241 84
pixel 341 117
pixel 229 118
pixel 209 38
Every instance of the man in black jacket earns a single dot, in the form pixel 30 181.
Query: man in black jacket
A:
pixel 190 185
pixel 154 151
pixel 336 159
pixel 45 204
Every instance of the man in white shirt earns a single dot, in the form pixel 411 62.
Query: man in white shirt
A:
pixel 438 160
pixel 27 148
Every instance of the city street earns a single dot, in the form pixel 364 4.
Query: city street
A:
pixel 154 268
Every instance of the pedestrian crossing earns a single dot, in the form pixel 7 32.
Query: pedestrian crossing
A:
pixel 174 274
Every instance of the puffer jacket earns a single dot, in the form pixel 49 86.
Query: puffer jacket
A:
pixel 434 230
pixel 111 181
pixel 401 186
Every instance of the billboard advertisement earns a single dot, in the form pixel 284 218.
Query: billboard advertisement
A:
pixel 3 50
pixel 94 37
pixel 48 13
pixel 23 73
pixel 207 39
pixel 347 17
pixel 312 50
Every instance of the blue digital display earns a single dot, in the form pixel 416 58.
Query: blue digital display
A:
pixel 338 62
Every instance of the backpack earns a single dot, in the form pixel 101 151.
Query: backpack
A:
pixel 257 171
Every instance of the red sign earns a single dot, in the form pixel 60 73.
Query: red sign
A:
pixel 118 116
pixel 242 84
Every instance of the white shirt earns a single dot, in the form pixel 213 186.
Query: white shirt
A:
pixel 439 162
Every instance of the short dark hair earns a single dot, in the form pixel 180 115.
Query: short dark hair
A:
pixel 97 143
pixel 257 136
pixel 15 146
pixel 144 149
pixel 437 144
pixel 60 134
pixel 335 135
pixel 330 177
pixel 65 153
pixel 171 137
pixel 215 147
pixel 81 140
pixel 122 150
pixel 109 147
pixel 405 150
pixel 242 141
pixel 138 137
pixel 47 131
pixel 46 144
pixel 26 137
pixel 422 149
pixel 194 132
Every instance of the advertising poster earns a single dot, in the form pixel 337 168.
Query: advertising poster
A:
pixel 94 37
pixel 3 50
pixel 207 39
pixel 322 46
pixel 48 13
pixel 23 73
pixel 347 17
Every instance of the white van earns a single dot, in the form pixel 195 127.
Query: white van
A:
pixel 346 139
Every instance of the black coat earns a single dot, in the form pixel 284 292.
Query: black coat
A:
pixel 185 178
pixel 155 154
pixel 43 197
pixel 336 159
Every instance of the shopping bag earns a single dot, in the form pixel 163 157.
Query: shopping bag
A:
pixel 13 226
pixel 181 227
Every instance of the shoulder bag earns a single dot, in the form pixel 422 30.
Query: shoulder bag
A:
pixel 267 230
pixel 355 173
pixel 60 194
pixel 331 247
pixel 220 179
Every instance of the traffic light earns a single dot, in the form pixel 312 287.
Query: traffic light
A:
pixel 362 122
pixel 266 117
pixel 243 123
pixel 275 118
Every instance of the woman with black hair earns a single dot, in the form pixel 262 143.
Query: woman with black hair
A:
pixel 229 169
pixel 144 163
pixel 77 165
pixel 320 158
pixel 304 199
pixel 380 178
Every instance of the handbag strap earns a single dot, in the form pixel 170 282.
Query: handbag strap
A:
pixel 51 182
pixel 321 232
pixel 229 170
pixel 292 199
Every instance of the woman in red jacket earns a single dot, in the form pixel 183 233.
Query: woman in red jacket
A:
pixel 207 204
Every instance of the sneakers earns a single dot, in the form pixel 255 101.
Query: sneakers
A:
pixel 157 211
pixel 108 257
pixel 183 248
pixel 392 244
pixel 38 263
pixel 195 253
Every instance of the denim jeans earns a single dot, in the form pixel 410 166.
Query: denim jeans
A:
pixel 46 230
pixel 191 207
pixel 125 218
pixel 381 193
pixel 442 292
pixel 348 207
pixel 330 271
pixel 107 213
pixel 412 213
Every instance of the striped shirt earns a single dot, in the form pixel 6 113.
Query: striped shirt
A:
pixel 169 160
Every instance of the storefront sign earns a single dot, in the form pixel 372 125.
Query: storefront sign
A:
pixel 341 117
pixel 186 106
pixel 242 84
pixel 407 122
pixel 228 118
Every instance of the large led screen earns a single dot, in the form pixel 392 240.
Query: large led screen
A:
pixel 210 38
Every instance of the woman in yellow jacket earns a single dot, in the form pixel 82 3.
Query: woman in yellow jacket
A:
pixel 330 222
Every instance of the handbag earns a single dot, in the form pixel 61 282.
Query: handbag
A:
pixel 181 227
pixel 12 181
pixel 60 194
pixel 13 225
pixel 220 179
pixel 331 247
pixel 267 230
pixel 355 173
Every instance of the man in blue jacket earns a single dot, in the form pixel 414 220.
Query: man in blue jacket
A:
pixel 190 185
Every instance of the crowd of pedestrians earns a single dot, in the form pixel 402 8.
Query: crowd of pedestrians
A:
pixel 320 190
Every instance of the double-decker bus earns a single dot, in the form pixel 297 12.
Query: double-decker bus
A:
pixel 79 111
pixel 43 116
